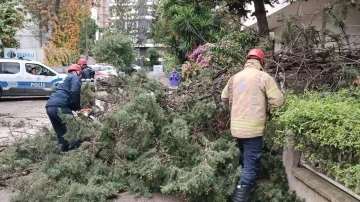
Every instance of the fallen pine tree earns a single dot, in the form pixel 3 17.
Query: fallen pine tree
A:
pixel 147 144
pixel 151 140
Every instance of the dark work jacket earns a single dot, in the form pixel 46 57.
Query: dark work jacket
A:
pixel 88 73
pixel 67 94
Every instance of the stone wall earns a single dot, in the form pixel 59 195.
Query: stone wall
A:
pixel 309 185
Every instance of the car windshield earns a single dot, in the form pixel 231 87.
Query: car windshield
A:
pixel 97 68
pixel 60 70
pixel 108 68
pixel 101 68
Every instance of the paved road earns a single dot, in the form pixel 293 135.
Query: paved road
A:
pixel 25 115
pixel 160 77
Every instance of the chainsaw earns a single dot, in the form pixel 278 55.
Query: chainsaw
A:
pixel 86 115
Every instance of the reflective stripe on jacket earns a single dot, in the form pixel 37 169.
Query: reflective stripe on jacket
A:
pixel 249 93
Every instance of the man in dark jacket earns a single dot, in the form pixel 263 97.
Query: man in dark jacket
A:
pixel 88 73
pixel 65 98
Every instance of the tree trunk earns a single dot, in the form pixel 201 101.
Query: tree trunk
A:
pixel 260 14
pixel 40 32
pixel 86 39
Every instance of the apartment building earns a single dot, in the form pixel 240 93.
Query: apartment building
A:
pixel 101 12
pixel 136 21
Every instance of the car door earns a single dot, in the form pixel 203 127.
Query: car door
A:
pixel 40 79
pixel 11 79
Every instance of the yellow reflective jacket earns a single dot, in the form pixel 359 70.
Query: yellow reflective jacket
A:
pixel 249 93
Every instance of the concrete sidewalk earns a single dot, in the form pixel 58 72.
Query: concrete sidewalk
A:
pixel 160 76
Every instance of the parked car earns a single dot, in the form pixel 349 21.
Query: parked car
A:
pixel 21 77
pixel 104 72
pixel 63 70
pixel 136 67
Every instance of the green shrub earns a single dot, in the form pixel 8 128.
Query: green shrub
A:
pixel 324 126
pixel 153 56
pixel 116 50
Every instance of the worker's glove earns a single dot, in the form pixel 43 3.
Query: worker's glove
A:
pixel 268 115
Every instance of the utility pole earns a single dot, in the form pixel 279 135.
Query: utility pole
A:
pixel 86 39
pixel 86 35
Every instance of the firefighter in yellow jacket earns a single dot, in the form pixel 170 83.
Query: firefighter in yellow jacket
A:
pixel 249 94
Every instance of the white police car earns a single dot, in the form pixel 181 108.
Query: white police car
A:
pixel 21 77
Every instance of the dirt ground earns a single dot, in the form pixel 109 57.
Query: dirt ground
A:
pixel 26 115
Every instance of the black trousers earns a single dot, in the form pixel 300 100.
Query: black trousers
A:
pixel 60 127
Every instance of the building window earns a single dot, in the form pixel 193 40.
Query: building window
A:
pixel 149 41
pixel 133 38
pixel 133 11
pixel 133 25
pixel 137 53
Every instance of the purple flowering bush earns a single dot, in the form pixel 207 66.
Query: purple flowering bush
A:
pixel 229 52
pixel 196 55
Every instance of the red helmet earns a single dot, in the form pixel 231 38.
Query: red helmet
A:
pixel 82 62
pixel 74 67
pixel 256 53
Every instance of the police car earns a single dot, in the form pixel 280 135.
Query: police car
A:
pixel 21 77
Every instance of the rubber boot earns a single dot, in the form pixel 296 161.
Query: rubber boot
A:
pixel 242 193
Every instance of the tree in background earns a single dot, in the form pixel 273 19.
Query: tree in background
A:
pixel 117 50
pixel 71 16
pixel 58 25
pixel 43 17
pixel 11 19
pixel 184 26
pixel 87 36
pixel 129 14
pixel 239 8
pixel 153 56
pixel 63 47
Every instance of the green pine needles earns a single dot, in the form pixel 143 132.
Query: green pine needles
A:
pixel 147 141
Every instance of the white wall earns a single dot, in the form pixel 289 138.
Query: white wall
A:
pixel 28 40
pixel 310 14
pixel 352 23
pixel 94 13
pixel 271 10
